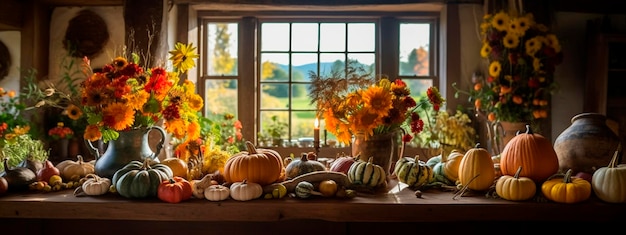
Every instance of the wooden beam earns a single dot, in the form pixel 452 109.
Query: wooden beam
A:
pixel 314 2
pixel 83 2
pixel 146 30
pixel 11 15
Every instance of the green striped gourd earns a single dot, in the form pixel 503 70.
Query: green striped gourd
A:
pixel 140 179
pixel 413 172
pixel 367 174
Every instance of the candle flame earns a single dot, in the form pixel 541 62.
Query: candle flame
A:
pixel 316 124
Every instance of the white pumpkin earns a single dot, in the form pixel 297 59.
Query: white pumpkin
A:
pixel 245 191
pixel 216 193
pixel 609 182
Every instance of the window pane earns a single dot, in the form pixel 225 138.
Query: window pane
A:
pixel 302 126
pixel 366 61
pixel 300 96
pixel 275 37
pixel 418 86
pixel 222 45
pixel 301 65
pixel 273 125
pixel 274 96
pixel 304 37
pixel 332 62
pixel 274 67
pixel 414 54
pixel 332 37
pixel 220 97
pixel 361 37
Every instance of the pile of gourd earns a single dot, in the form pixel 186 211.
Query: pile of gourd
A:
pixel 529 169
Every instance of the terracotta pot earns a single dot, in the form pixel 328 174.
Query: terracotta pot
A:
pixel 587 144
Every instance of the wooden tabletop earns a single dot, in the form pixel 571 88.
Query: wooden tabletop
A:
pixel 397 205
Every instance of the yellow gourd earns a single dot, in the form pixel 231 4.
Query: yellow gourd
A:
pixel 516 188
pixel 476 170
pixel 566 189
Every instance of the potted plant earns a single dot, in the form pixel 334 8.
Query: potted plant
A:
pixel 276 129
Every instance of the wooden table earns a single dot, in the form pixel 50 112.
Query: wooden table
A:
pixel 366 213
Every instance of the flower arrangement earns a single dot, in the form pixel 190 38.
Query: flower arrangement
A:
pixel 124 95
pixel 522 56
pixel 12 123
pixel 362 104
pixel 60 131
pixel 16 142
pixel 446 132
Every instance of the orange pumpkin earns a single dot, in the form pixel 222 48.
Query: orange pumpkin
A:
pixel 179 166
pixel 261 166
pixel 175 190
pixel 476 169
pixel 533 152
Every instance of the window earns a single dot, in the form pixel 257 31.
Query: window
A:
pixel 258 68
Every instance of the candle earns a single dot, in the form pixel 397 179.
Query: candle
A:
pixel 316 133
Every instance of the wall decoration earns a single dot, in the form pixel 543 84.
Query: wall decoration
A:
pixel 60 57
pixel 86 34
pixel 5 61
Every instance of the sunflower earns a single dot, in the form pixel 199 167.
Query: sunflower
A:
pixel 500 21
pixel 553 41
pixel 533 45
pixel 485 50
pixel 510 40
pixel 494 69
pixel 182 57
pixel 73 112
pixel 119 63
pixel 378 100
pixel 195 102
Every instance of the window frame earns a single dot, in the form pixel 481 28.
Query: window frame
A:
pixel 386 59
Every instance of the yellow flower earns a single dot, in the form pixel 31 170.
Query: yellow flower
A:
pixel 537 64
pixel 553 41
pixel 525 22
pixel 21 130
pixel 494 69
pixel 196 102
pixel 533 45
pixel 378 100
pixel 510 40
pixel 118 116
pixel 176 127
pixel 500 21
pixel 119 63
pixel 485 51
pixel 182 57
pixel 73 112
pixel 193 131
pixel 136 100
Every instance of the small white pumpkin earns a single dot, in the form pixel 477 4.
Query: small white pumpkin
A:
pixel 216 193
pixel 245 191
pixel 95 185
pixel 608 182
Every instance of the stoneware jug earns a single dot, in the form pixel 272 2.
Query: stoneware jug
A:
pixel 587 144
pixel 130 145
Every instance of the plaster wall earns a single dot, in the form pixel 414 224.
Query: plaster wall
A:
pixel 12 40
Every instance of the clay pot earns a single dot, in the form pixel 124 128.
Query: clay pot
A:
pixel 587 144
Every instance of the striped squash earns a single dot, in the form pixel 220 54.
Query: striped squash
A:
pixel 413 172
pixel 367 174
